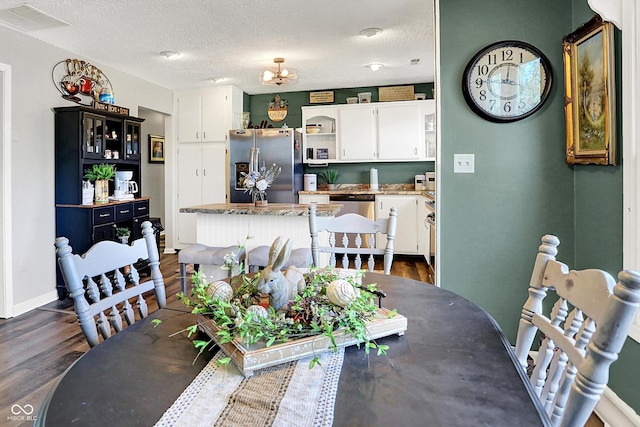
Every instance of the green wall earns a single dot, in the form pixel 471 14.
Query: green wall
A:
pixel 491 221
pixel 350 173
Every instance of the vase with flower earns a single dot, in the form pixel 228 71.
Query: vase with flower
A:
pixel 257 181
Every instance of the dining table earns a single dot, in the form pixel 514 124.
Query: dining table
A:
pixel 453 366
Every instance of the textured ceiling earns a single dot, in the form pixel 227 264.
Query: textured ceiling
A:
pixel 236 39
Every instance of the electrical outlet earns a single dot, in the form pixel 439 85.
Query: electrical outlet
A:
pixel 464 163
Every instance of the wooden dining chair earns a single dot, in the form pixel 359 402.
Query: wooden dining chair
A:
pixel 582 333
pixel 358 238
pixel 104 281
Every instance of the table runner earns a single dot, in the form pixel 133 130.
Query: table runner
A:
pixel 281 395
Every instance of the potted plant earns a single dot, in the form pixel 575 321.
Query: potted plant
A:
pixel 330 176
pixel 101 174
pixel 123 233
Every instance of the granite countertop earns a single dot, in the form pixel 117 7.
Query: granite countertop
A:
pixel 272 209
pixel 365 189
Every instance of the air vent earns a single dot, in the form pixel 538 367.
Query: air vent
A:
pixel 27 18
pixel 415 61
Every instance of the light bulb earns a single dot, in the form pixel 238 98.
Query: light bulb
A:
pixel 267 76
pixel 284 73
pixel 374 67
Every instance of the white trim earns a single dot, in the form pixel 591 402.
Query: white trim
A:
pixel 6 243
pixel 436 87
pixel 626 16
pixel 614 412
pixel 39 301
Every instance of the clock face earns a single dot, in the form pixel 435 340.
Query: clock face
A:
pixel 507 81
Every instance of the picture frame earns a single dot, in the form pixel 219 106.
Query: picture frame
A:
pixel 588 55
pixel 156 149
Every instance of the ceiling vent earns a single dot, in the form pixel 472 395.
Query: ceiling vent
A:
pixel 27 18
pixel 415 61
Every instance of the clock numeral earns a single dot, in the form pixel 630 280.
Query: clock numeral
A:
pixel 492 104
pixel 483 69
pixel 479 83
pixel 507 55
pixel 483 95
pixel 507 107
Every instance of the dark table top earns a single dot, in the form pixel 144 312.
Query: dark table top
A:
pixel 453 367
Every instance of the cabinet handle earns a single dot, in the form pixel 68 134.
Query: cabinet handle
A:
pixel 104 215
pixel 197 172
pixel 125 211
pixel 204 172
pixel 204 135
pixel 197 135
pixel 415 151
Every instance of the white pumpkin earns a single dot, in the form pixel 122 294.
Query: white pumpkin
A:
pixel 220 290
pixel 258 311
pixel 340 292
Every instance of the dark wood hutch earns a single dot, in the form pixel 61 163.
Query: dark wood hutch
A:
pixel 83 137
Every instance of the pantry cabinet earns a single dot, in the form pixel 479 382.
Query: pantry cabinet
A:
pixel 200 182
pixel 207 115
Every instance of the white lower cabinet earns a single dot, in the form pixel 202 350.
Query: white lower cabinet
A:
pixel 201 180
pixel 407 233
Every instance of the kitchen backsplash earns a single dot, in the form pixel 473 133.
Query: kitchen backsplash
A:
pixel 388 173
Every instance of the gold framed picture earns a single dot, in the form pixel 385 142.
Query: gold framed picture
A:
pixel 156 149
pixel 589 94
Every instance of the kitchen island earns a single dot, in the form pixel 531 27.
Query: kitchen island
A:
pixel 227 224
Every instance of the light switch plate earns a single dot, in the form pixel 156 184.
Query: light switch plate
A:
pixel 464 163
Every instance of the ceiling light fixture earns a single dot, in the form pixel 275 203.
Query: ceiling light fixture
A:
pixel 170 54
pixel 216 79
pixel 374 67
pixel 278 76
pixel 370 32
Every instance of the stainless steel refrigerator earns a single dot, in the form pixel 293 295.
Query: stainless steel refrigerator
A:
pixel 279 146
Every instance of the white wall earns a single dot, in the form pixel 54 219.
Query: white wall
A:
pixel 33 203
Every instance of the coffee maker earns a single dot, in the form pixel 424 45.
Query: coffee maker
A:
pixel 125 188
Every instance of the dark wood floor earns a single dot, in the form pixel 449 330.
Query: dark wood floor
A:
pixel 38 346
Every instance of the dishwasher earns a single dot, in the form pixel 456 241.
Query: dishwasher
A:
pixel 362 204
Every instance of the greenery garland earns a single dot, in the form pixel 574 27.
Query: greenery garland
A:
pixel 310 314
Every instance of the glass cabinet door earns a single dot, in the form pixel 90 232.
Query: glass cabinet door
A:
pixel 92 138
pixel 132 141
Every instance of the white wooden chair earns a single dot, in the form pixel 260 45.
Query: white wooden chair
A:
pixel 582 335
pixel 353 243
pixel 104 280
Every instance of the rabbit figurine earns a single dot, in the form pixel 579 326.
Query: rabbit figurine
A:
pixel 281 287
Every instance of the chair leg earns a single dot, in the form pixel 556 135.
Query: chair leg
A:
pixel 183 278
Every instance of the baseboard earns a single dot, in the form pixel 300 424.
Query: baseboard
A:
pixel 614 412
pixel 169 251
pixel 31 304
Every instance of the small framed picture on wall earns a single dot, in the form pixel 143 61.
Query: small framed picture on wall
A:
pixel 156 149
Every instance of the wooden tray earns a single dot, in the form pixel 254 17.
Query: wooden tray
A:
pixel 257 356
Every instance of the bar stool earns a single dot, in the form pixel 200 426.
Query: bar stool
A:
pixel 199 254
pixel 259 257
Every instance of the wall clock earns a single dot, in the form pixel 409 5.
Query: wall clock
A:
pixel 507 81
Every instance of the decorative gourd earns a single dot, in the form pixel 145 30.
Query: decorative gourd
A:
pixel 340 292
pixel 220 290
pixel 257 311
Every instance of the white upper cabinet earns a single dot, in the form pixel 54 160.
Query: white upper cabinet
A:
pixel 207 115
pixel 399 131
pixel 381 131
pixel 357 132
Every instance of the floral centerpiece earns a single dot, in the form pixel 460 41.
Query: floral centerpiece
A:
pixel 329 306
pixel 257 181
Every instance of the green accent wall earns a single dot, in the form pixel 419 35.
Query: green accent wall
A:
pixel 350 173
pixel 492 220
